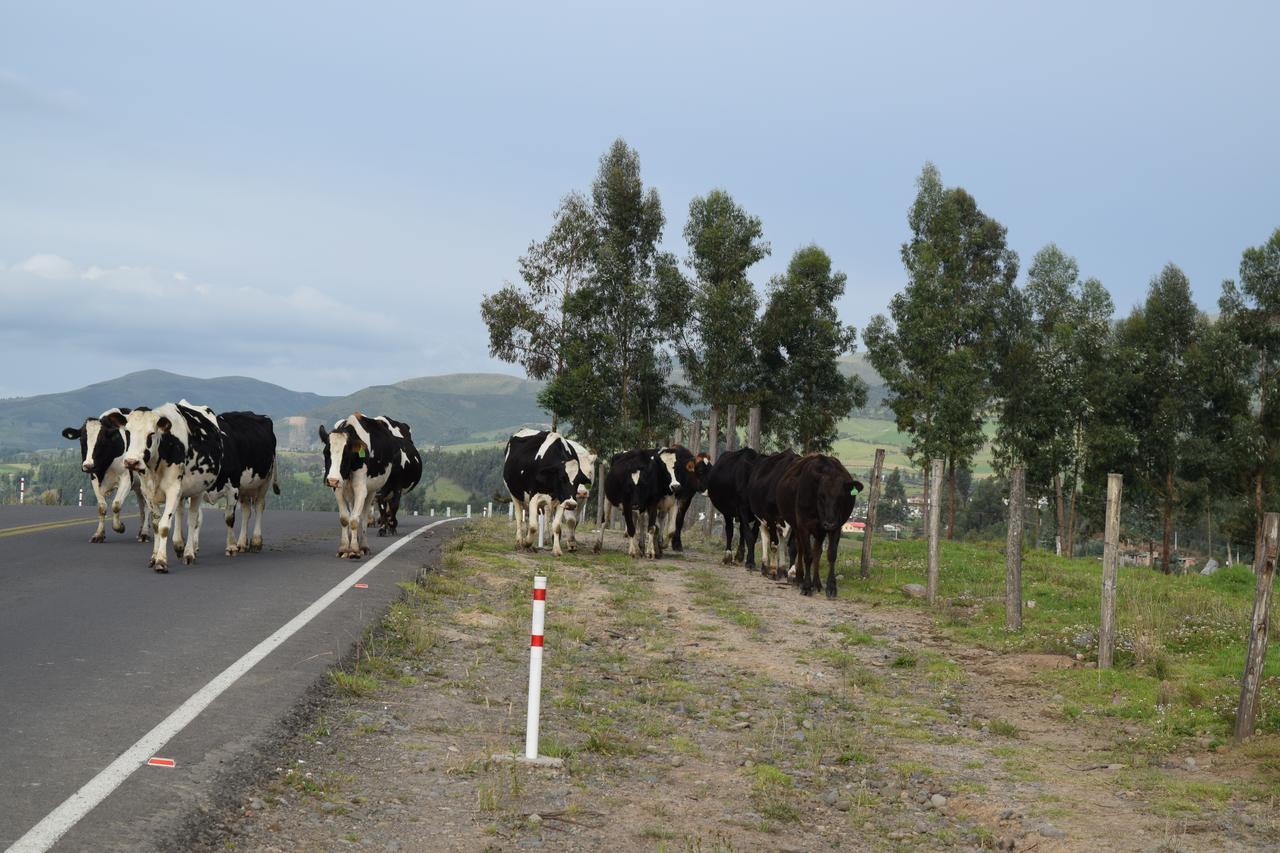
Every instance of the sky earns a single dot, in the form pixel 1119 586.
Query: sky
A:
pixel 318 194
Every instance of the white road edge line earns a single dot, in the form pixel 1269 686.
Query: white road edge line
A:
pixel 58 822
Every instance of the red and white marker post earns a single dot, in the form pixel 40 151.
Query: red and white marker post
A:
pixel 535 667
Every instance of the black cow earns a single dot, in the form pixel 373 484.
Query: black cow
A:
pixel 364 456
pixel 102 458
pixel 248 473
pixel 761 491
pixel 728 487
pixel 816 497
pixel 542 470
pixel 649 482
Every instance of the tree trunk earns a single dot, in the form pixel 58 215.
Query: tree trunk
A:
pixel 951 508
pixel 1168 522
pixel 1071 522
pixel 1257 528
pixel 1062 520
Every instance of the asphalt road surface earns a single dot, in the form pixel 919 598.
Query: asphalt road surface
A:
pixel 96 650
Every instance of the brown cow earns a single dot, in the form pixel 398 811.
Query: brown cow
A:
pixel 816 497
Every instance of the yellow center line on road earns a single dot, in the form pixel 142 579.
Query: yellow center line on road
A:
pixel 47 525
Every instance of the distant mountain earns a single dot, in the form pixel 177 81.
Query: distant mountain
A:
pixel 30 423
pixel 450 409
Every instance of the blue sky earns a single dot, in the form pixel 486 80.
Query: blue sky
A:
pixel 318 194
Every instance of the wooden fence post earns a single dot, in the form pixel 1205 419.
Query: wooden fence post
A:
pixel 1110 565
pixel 753 428
pixel 1013 550
pixel 1247 713
pixel 600 499
pixel 935 521
pixel 713 442
pixel 731 428
pixel 872 499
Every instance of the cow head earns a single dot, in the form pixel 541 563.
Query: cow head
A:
pixel 149 439
pixel 837 494
pixel 668 470
pixel 100 441
pixel 344 452
pixel 696 470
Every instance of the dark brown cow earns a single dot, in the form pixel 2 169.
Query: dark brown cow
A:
pixel 815 497
pixel 762 491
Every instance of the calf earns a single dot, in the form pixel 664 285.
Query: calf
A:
pixel 644 482
pixel 249 471
pixel 762 494
pixel 102 458
pixel 177 449
pixel 365 457
pixel 542 470
pixel 727 487
pixel 816 497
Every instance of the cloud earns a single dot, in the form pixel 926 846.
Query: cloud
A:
pixel 18 94
pixel 70 316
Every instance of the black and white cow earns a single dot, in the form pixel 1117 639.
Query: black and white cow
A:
pixel 364 457
pixel 248 473
pixel 102 458
pixel 178 451
pixel 762 491
pixel 542 470
pixel 403 479
pixel 692 472
pixel 645 481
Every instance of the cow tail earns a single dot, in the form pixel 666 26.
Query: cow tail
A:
pixel 275 486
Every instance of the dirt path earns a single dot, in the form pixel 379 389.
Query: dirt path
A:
pixel 700 707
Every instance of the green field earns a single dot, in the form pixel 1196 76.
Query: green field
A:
pixel 444 490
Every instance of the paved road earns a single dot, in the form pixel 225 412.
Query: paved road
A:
pixel 96 649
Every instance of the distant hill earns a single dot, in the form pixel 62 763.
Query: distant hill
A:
pixel 450 409
pixel 31 423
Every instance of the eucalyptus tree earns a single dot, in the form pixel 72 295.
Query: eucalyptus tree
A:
pixel 932 349
pixel 718 351
pixel 800 340
pixel 527 324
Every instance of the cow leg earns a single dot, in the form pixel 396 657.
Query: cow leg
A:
pixel 749 529
pixel 180 528
pixel 122 492
pixel 195 513
pixel 145 514
pixel 160 549
pixel 555 515
pixel 229 517
pixel 364 535
pixel 677 541
pixel 728 541
pixel 633 549
pixel 802 545
pixel 571 525
pixel 652 547
pixel 518 513
pixel 344 519
pixel 359 512
pixel 100 533
pixel 833 540
pixel 766 538
pixel 259 507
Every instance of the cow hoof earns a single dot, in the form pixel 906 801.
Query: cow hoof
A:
pixel 573 547
pixel 727 559
pixel 98 537
pixel 160 564
pixel 831 592
pixel 364 549
pixel 231 552
pixel 382 531
pixel 142 537
pixel 255 546
pixel 804 590
pixel 354 555
pixel 341 553
pixel 188 559
pixel 118 527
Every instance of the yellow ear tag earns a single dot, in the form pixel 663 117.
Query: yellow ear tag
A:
pixel 360 453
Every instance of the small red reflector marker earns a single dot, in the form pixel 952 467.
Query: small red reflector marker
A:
pixel 157 761
pixel 539 595
pixel 361 586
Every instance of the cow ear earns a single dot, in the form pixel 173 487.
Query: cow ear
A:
pixel 124 410
pixel 324 434
pixel 163 424
pixel 857 486
pixel 115 419
pixel 357 447
pixel 689 466
pixel 71 433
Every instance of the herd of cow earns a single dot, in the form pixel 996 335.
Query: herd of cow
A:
pixel 802 501
pixel 178 455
